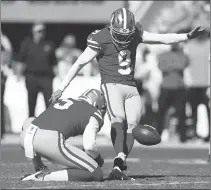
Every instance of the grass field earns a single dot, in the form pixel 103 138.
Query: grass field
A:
pixel 160 167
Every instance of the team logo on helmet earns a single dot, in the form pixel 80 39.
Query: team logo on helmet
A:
pixel 124 30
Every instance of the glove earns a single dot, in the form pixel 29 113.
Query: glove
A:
pixel 195 32
pixel 56 95
pixel 99 159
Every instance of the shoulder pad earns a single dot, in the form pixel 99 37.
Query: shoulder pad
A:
pixel 139 27
pixel 96 39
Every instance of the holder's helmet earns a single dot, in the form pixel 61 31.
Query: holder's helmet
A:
pixel 95 98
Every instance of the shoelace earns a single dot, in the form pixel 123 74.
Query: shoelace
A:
pixel 41 168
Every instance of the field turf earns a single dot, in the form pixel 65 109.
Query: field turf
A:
pixel 159 167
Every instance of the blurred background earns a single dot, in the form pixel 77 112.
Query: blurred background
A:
pixel 175 80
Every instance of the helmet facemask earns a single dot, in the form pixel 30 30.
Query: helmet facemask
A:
pixel 120 38
pixel 122 30
pixel 103 110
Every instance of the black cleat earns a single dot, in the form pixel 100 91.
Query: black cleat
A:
pixel 120 163
pixel 116 174
pixel 117 171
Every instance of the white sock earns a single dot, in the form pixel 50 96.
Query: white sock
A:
pixel 61 175
pixel 122 156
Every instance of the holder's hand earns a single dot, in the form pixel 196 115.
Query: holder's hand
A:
pixel 55 96
pixel 195 32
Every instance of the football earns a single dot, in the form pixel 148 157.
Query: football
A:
pixel 146 135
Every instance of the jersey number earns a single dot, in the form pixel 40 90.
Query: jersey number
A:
pixel 124 63
pixel 65 106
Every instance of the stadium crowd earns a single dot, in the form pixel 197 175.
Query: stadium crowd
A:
pixel 173 80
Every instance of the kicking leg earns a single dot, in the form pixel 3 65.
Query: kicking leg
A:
pixel 115 95
pixel 133 109
pixel 116 112
pixel 118 130
pixel 115 109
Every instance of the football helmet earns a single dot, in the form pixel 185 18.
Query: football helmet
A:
pixel 122 27
pixel 95 98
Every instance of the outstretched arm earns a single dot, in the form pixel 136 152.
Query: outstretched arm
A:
pixel 83 59
pixel 171 38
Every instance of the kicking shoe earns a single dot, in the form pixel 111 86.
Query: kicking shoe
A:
pixel 120 163
pixel 37 176
pixel 116 174
pixel 118 168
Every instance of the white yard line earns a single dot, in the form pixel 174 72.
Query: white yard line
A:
pixel 183 161
pixel 110 160
pixel 197 161
pixel 107 160
pixel 162 146
pixel 103 141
